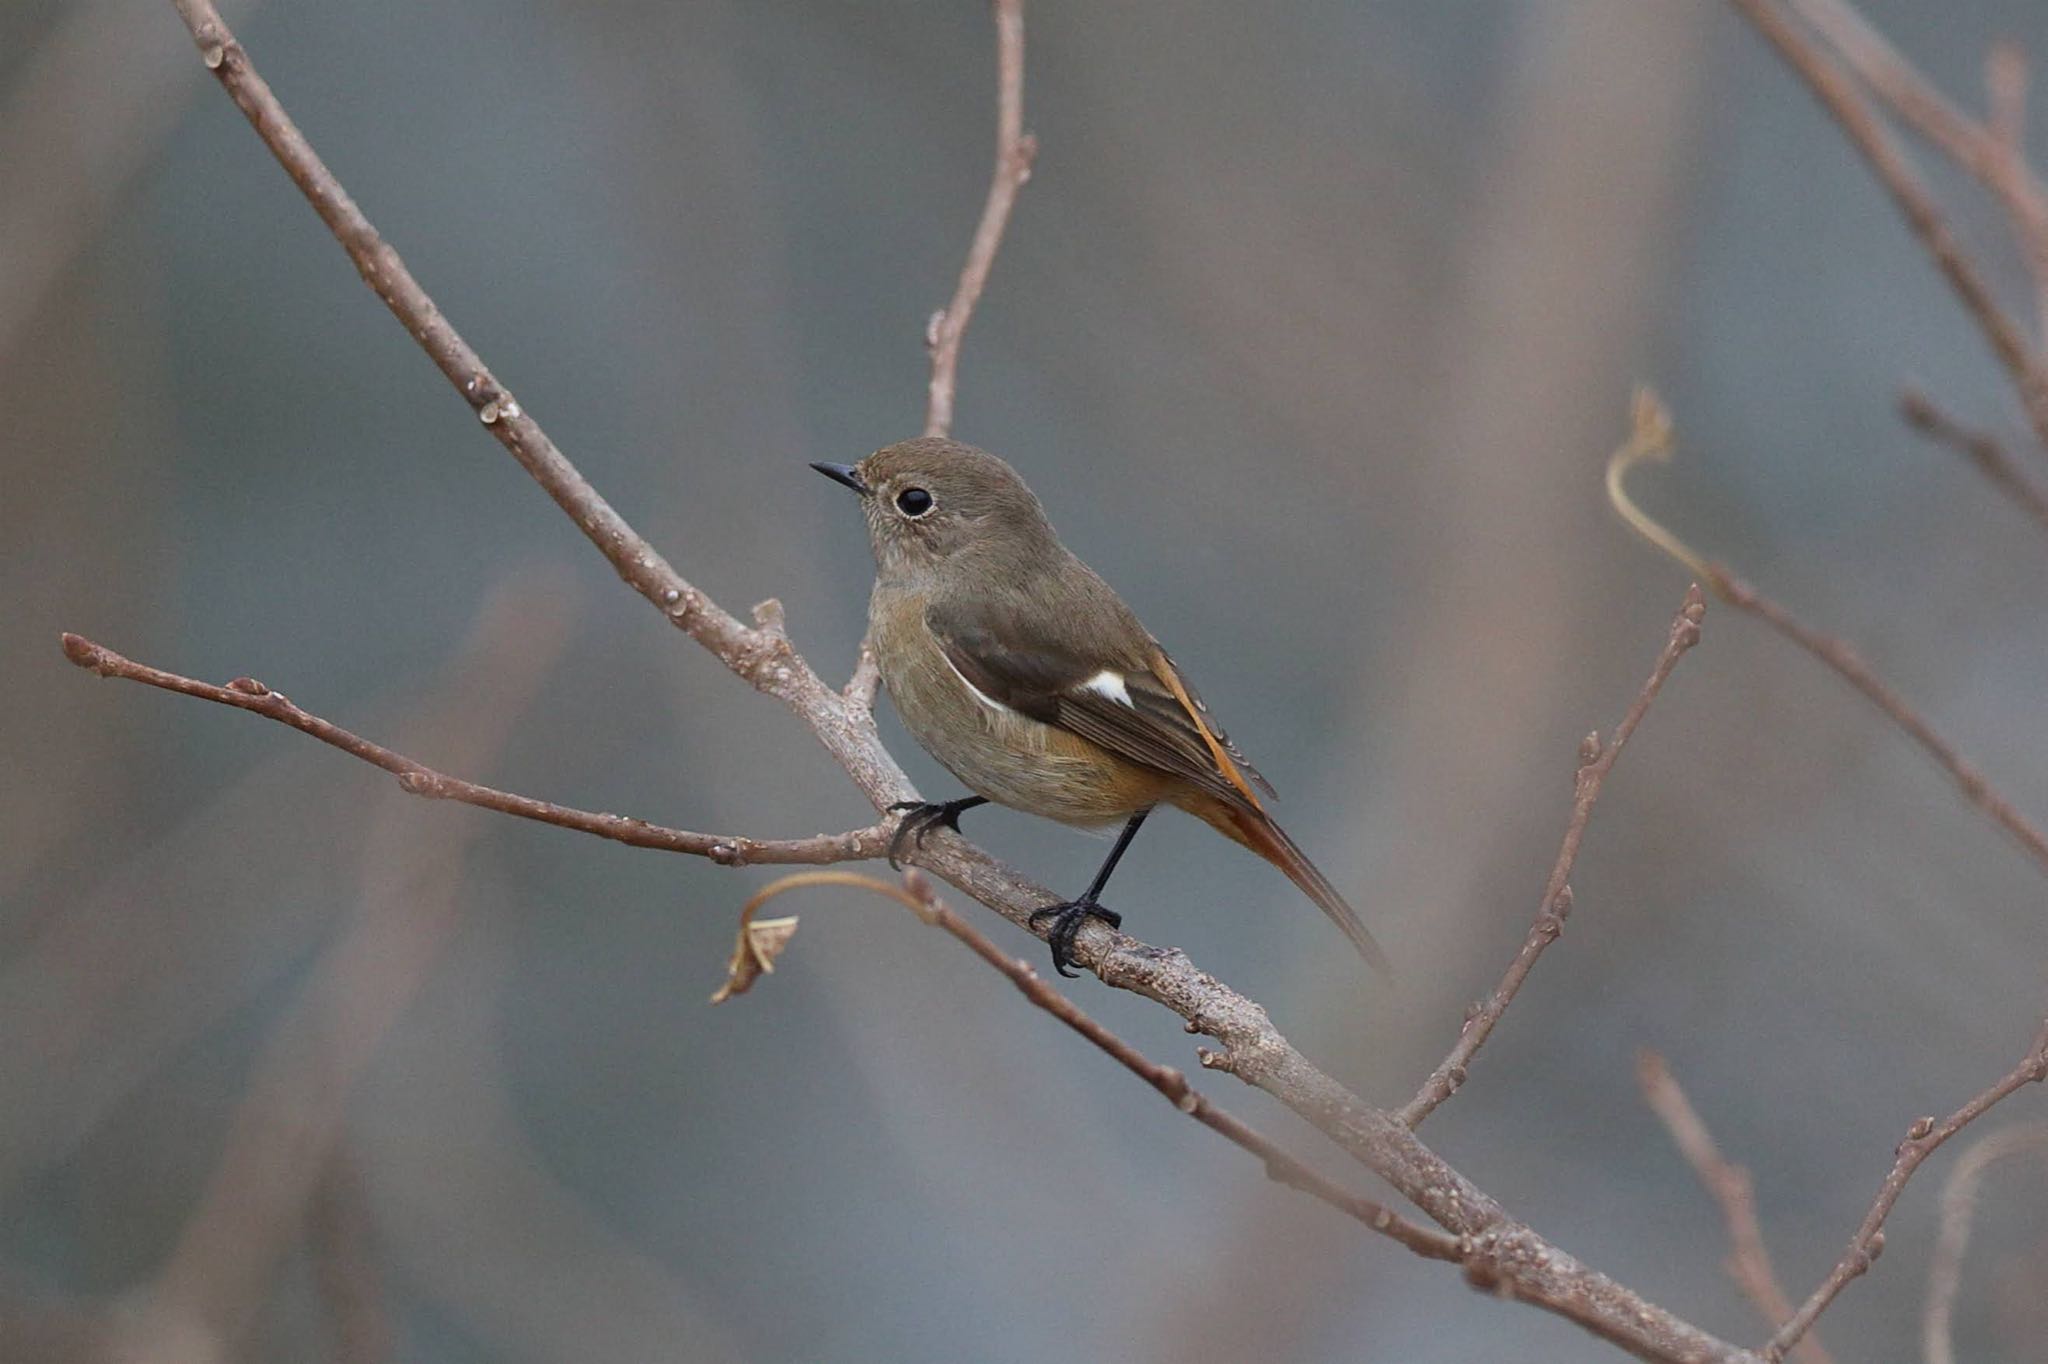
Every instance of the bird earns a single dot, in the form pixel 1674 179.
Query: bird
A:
pixel 1026 676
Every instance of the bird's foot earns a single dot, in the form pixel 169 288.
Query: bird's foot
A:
pixel 1066 925
pixel 920 817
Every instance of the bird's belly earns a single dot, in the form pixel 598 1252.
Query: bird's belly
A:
pixel 1008 757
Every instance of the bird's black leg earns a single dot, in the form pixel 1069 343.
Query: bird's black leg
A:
pixel 920 817
pixel 1067 918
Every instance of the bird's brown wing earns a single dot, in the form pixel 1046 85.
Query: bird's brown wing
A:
pixel 1141 710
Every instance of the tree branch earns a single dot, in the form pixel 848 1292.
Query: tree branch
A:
pixel 1922 1140
pixel 1981 448
pixel 1595 762
pixel 1749 1260
pixel 729 850
pixel 1498 1253
pixel 1895 170
pixel 1015 151
pixel 915 893
pixel 1991 151
pixel 1652 440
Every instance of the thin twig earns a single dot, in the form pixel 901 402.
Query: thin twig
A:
pixel 1015 151
pixel 915 893
pixel 1981 448
pixel 729 850
pixel 1749 1260
pixel 1500 1254
pixel 1842 656
pixel 1958 1206
pixel 1595 762
pixel 1992 151
pixel 1895 171
pixel 1922 1140
pixel 1835 652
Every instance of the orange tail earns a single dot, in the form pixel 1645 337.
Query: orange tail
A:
pixel 1256 830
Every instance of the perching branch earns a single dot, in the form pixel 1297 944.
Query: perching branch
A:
pixel 1749 1260
pixel 1497 1252
pixel 915 893
pixel 729 850
pixel 1958 1204
pixel 1595 762
pixel 1015 151
pixel 1922 1140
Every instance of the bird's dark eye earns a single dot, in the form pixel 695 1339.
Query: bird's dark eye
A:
pixel 913 502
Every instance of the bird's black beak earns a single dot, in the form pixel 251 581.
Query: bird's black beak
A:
pixel 842 473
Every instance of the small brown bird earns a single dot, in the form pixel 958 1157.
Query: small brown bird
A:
pixel 1022 672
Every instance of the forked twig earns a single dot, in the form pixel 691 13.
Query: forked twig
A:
pixel 1922 1140
pixel 1894 169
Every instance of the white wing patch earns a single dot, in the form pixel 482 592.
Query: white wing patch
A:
pixel 1110 685
pixel 978 694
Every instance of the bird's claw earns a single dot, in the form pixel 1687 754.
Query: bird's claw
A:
pixel 1066 926
pixel 920 817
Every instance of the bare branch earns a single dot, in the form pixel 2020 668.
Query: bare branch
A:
pixel 1991 151
pixel 1835 652
pixel 1922 1140
pixel 1749 1260
pixel 1981 448
pixel 915 893
pixel 1595 762
pixel 729 850
pixel 1895 170
pixel 1958 1205
pixel 1015 151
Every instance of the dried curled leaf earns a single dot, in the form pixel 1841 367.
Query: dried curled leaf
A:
pixel 762 941
pixel 759 943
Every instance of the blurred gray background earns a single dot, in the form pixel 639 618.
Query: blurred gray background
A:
pixel 1313 331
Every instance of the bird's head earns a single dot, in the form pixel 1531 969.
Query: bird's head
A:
pixel 932 501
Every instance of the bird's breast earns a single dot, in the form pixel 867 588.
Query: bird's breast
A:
pixel 995 751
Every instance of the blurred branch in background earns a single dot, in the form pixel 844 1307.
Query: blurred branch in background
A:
pixel 346 1266
pixel 283 1141
pixel 1895 170
pixel 1981 448
pixel 75 128
pixel 1958 1207
pixel 1749 1259
pixel 1992 150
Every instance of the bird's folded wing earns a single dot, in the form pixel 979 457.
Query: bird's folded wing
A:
pixel 1140 709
